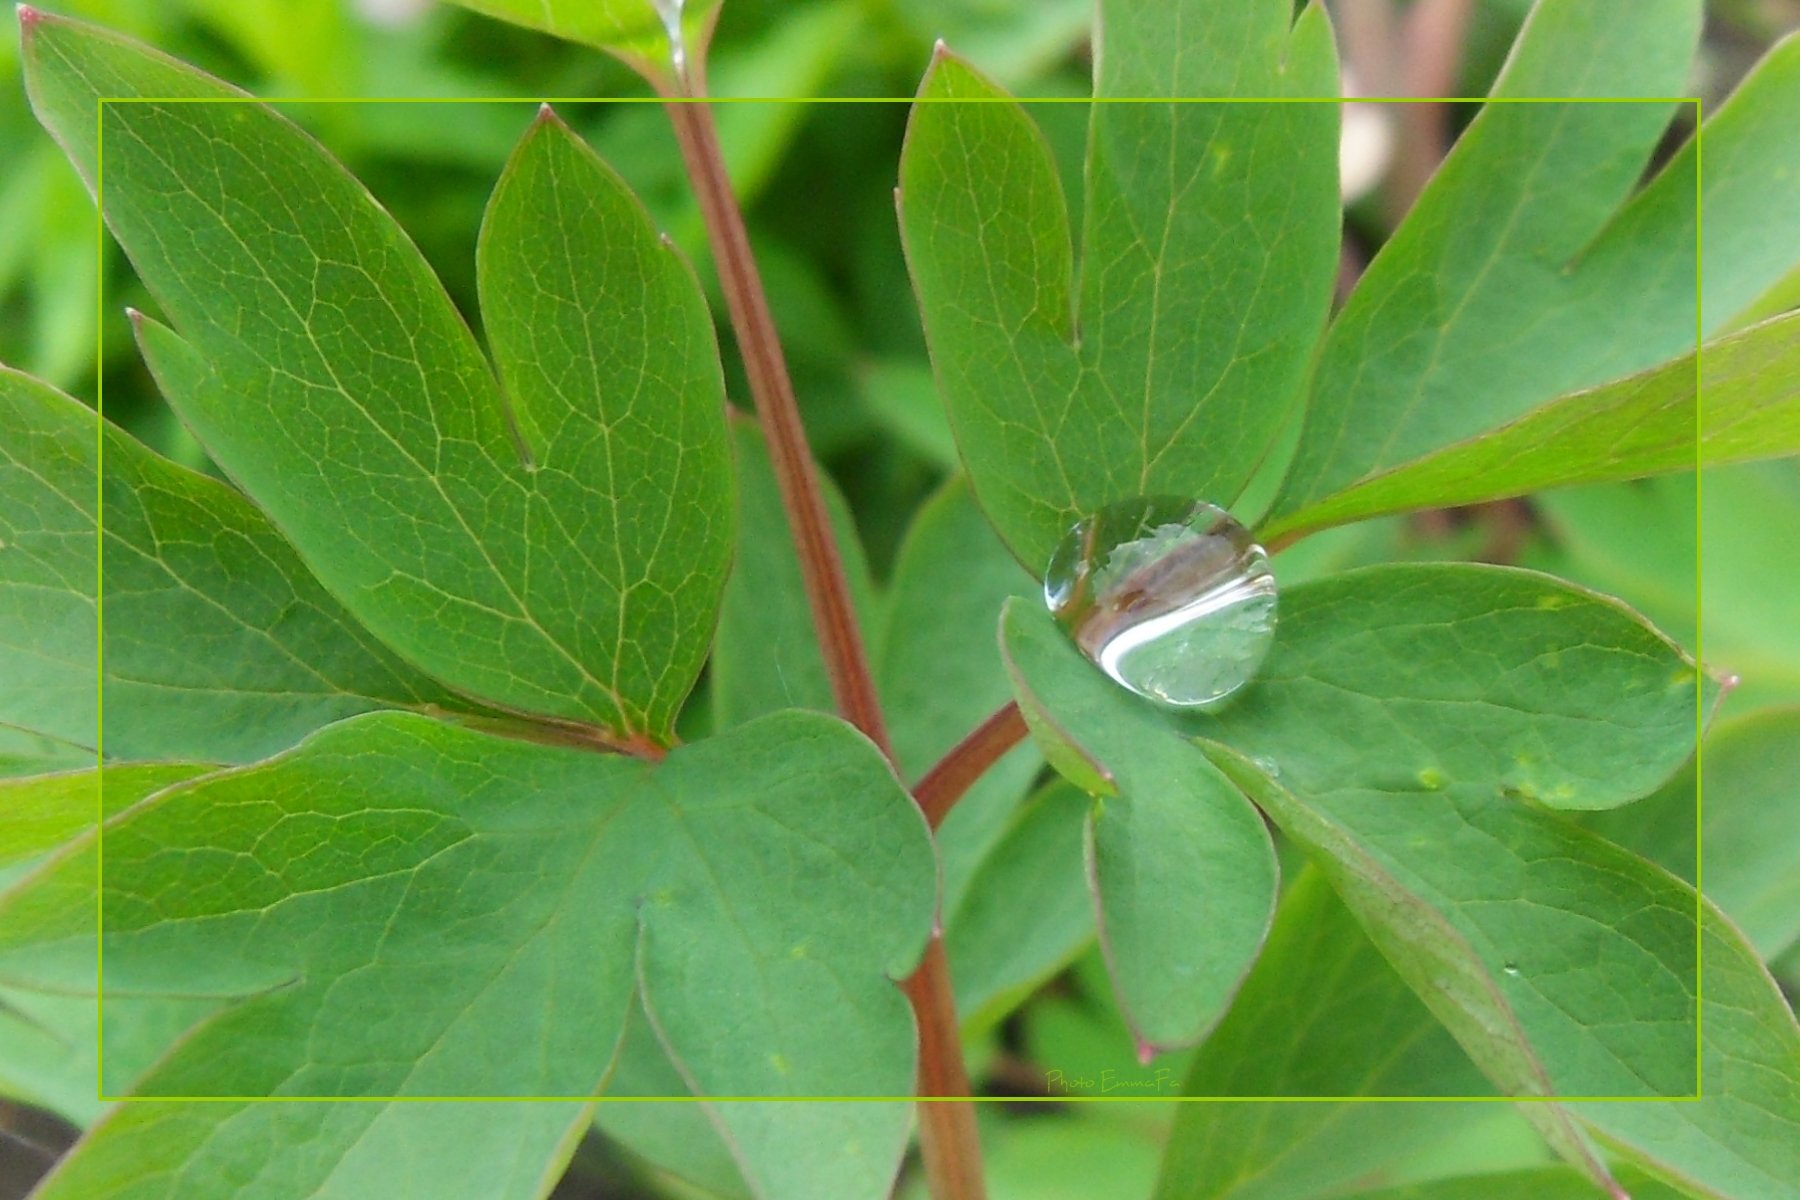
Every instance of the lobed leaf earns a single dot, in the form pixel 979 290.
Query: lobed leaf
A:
pixel 218 643
pixel 1209 246
pixel 250 1151
pixel 1741 1139
pixel 49 1053
pixel 1347 1027
pixel 1623 304
pixel 1183 873
pixel 760 888
pixel 1406 729
pixel 1740 401
pixel 1748 825
pixel 1595 536
pixel 1510 282
pixel 324 368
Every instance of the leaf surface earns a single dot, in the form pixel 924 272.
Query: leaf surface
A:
pixel 1322 1015
pixel 1748 824
pixel 1594 535
pixel 607 353
pixel 762 888
pixel 325 369
pixel 49 1051
pixel 1741 402
pixel 262 1151
pixel 218 643
pixel 1741 1139
pixel 1400 730
pixel 1208 250
pixel 1509 282
pixel 635 30
pixel 1024 912
pixel 1183 871
pixel 940 672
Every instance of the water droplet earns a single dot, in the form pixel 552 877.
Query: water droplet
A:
pixel 1431 779
pixel 669 11
pixel 1268 766
pixel 1168 596
pixel 1511 968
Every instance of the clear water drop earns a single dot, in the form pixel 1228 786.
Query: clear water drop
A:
pixel 1169 596
pixel 1511 968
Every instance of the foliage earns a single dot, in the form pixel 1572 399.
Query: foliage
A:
pixel 467 748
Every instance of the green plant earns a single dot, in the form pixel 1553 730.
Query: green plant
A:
pixel 396 809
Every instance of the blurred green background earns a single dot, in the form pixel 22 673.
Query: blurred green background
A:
pixel 816 181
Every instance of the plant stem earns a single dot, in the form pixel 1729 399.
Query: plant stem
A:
pixel 968 761
pixel 947 1134
pixel 821 567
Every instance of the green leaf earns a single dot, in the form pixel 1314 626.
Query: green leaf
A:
pixel 1532 1183
pixel 1644 424
pixel 1401 720
pixel 637 31
pixel 606 350
pixel 325 369
pixel 1321 1015
pixel 678 1138
pixel 1751 625
pixel 49 1048
pixel 219 644
pixel 1182 868
pixel 1454 683
pixel 1638 425
pixel 1741 1140
pixel 1751 828
pixel 940 672
pixel 1208 251
pixel 1510 282
pixel 45 811
pixel 766 656
pixel 1751 238
pixel 1398 726
pixel 762 889
pixel 1024 912
pixel 262 1151
pixel 25 753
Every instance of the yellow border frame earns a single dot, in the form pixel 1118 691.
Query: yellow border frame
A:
pixel 1700 713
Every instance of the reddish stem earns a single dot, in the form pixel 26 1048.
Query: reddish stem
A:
pixel 968 761
pixel 947 1133
pixel 821 567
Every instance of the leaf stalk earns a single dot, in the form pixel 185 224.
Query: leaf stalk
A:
pixel 968 761
pixel 947 1132
pixel 821 566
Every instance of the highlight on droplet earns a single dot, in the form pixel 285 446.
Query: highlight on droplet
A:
pixel 1169 596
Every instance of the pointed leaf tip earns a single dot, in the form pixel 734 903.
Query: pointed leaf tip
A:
pixel 28 16
pixel 545 113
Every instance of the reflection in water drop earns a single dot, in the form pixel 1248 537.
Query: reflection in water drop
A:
pixel 669 11
pixel 1169 596
pixel 1511 968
